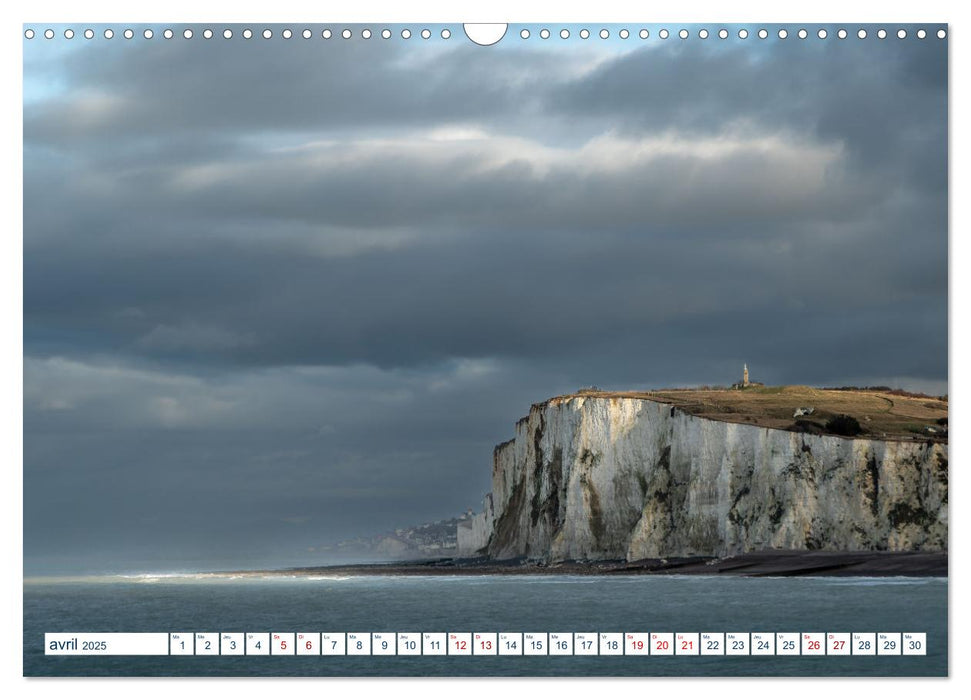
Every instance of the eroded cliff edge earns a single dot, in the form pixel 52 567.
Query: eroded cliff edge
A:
pixel 631 478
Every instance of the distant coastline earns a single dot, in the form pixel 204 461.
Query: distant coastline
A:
pixel 753 564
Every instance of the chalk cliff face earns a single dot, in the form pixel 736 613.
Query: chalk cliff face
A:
pixel 474 534
pixel 614 478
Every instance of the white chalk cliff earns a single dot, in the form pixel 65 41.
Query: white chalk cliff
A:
pixel 629 478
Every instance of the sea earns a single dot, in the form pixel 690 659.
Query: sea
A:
pixel 486 603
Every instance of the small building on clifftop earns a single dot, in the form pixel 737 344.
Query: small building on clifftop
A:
pixel 745 383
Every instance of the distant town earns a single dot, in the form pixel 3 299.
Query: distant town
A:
pixel 416 542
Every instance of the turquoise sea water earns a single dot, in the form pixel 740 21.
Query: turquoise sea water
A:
pixel 188 603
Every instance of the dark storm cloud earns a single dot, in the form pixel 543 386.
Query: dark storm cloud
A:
pixel 461 296
pixel 280 460
pixel 881 101
pixel 298 289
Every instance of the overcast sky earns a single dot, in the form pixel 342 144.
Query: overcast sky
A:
pixel 282 292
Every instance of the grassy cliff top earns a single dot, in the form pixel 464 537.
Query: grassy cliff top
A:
pixel 881 414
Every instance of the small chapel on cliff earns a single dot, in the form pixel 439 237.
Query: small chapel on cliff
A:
pixel 745 383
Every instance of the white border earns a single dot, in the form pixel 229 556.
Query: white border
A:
pixel 817 11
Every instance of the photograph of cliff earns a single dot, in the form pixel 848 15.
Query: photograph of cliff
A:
pixel 607 475
pixel 589 327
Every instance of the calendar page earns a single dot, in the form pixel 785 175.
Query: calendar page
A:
pixel 537 349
